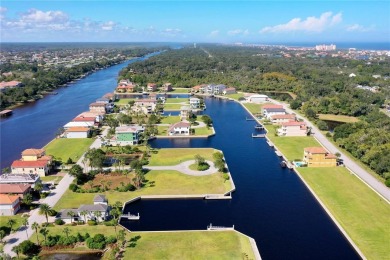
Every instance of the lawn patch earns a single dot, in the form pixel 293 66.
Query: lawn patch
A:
pixel 175 156
pixel 65 148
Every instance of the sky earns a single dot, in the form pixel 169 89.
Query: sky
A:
pixel 195 21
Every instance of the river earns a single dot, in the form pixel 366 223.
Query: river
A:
pixel 271 204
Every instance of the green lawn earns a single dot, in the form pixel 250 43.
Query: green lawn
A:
pixel 172 107
pixel 51 178
pixel 338 118
pixel 179 90
pixel 68 147
pixel 170 119
pixel 252 107
pixel 18 218
pixel 173 245
pixel 159 183
pixel 203 131
pixel 123 101
pixel 176 100
pixel 162 130
pixel 291 146
pixel 359 210
pixel 178 155
pixel 236 96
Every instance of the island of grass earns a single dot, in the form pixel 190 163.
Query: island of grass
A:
pixel 162 130
pixel 170 119
pixel 359 210
pixel 176 100
pixel 64 148
pixel 173 106
pixel 236 96
pixel 158 182
pixel 165 245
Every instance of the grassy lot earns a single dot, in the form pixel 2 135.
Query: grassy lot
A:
pixel 159 183
pixel 173 245
pixel 252 107
pixel 338 118
pixel 68 147
pixel 162 130
pixel 203 131
pixel 291 146
pixel 123 101
pixel 18 218
pixel 50 178
pixel 175 156
pixel 359 210
pixel 170 119
pixel 172 107
pixel 176 100
pixel 236 96
pixel 179 90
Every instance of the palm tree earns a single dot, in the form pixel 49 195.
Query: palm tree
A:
pixel 16 249
pixel 44 209
pixel 71 214
pixel 35 226
pixel 44 232
pixel 25 223
pixel 2 235
pixel 67 231
pixel 11 222
pixel 84 213
pixel 97 214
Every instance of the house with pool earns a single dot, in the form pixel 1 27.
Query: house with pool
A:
pixel 319 157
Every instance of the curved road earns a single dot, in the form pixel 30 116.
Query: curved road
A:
pixel 371 181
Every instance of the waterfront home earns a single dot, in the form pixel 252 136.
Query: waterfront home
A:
pixel 179 129
pixel 257 98
pixel 9 204
pixel 90 120
pixel 20 179
pixel 125 89
pixel 98 107
pixel 99 211
pixel 199 88
pixel 318 157
pixel 97 115
pixel 277 119
pixel 127 135
pixel 194 103
pixel 151 87
pixel 229 91
pixel 148 104
pixel 268 112
pixel 10 84
pixel 16 189
pixel 166 87
pixel 103 100
pixel 77 132
pixel 33 161
pixel 213 89
pixel 78 124
pixel 110 96
pixel 185 112
pixel 292 129
pixel 33 154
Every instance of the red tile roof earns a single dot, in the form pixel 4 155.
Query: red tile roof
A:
pixel 33 151
pixel 8 199
pixel 84 119
pixel 14 188
pixel 272 106
pixel 293 123
pixel 29 164
pixel 316 150
pixel 77 129
pixel 286 116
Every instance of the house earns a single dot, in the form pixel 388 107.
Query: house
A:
pixel 103 100
pixel 318 157
pixel 15 189
pixel 127 135
pixel 20 179
pixel 78 132
pixel 125 89
pixel 32 154
pixel 257 98
pixel 148 104
pixel 89 120
pixel 194 103
pixel 229 91
pixel 199 88
pixel 215 89
pixel 98 116
pixel 166 87
pixel 268 112
pixel 110 96
pixel 151 87
pixel 98 107
pixel 10 84
pixel 78 124
pixel 33 161
pixel 99 210
pixel 9 204
pixel 292 129
pixel 185 112
pixel 181 128
pixel 277 119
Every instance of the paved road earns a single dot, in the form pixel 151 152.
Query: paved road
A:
pixel 184 168
pixel 19 236
pixel 376 185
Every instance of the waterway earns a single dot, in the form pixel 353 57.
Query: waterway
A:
pixel 271 204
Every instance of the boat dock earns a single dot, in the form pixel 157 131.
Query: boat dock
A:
pixel 278 153
pixel 271 144
pixel 285 164
pixel 258 136
pixel 259 127
pixel 211 227
pixel 130 217
pixel 249 119
pixel 217 197
pixel 5 113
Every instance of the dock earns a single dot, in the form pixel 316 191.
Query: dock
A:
pixel 259 127
pixel 249 119
pixel 258 135
pixel 130 217
pixel 5 113
pixel 217 197
pixel 278 153
pixel 271 144
pixel 211 227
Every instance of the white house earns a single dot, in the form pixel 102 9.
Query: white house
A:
pixel 257 98
pixel 78 124
pixel 194 103
pixel 277 119
pixel 293 129
pixel 229 91
pixel 181 128
pixel 78 132
pixel 127 135
pixel 9 204
pixel 40 167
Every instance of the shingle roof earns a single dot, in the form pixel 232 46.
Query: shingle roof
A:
pixel 33 151
pixel 63 214
pixel 272 106
pixel 93 207
pixel 274 109
pixel 99 198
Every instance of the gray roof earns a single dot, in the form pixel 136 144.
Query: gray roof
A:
pixel 96 207
pixel 275 110
pixel 63 214
pixel 99 198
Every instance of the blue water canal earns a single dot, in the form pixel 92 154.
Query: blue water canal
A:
pixel 270 204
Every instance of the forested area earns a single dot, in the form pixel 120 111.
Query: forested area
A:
pixel 37 80
pixel 322 85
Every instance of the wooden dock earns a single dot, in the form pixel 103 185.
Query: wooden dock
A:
pixel 278 153
pixel 5 113
pixel 271 144
pixel 217 197
pixel 258 135
pixel 259 127
pixel 130 217
pixel 249 119
pixel 211 227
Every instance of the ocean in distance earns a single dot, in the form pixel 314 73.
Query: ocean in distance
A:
pixel 379 46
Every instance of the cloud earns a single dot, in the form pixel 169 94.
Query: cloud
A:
pixel 238 32
pixel 108 26
pixel 358 28
pixel 214 33
pixel 3 9
pixel 37 16
pixel 310 24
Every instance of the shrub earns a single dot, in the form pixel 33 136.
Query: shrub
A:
pixel 73 187
pixel 203 166
pixel 52 213
pixel 96 242
pixel 91 223
pixel 226 176
pixel 322 125
pixel 28 248
pixel 111 240
pixel 59 222
pixel 66 241
pixel 387 182
pixel 80 222
pixel 79 237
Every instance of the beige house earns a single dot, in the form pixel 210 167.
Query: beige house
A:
pixel 292 129
pixel 97 107
pixel 33 161
pixel 319 157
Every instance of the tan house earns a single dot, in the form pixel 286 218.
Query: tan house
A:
pixel 15 189
pixel 151 87
pixel 319 157
pixel 125 89
pixel 33 161
pixel 166 87
pixel 9 204
pixel 292 129
pixel 97 107
pixel 278 119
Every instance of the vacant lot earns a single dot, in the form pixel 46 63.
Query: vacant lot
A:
pixel 338 118
pixel 178 155
pixel 65 148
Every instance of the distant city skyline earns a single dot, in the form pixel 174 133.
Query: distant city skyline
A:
pixel 195 21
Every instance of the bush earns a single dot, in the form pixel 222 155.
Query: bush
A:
pixel 203 166
pixel 111 240
pixel 109 223
pixel 387 182
pixel 28 248
pixel 66 241
pixel 59 222
pixel 226 176
pixel 80 222
pixel 43 195
pixel 91 223
pixel 96 242
pixel 52 213
pixel 322 125
pixel 73 187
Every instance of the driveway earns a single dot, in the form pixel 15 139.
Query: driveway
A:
pixel 184 167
